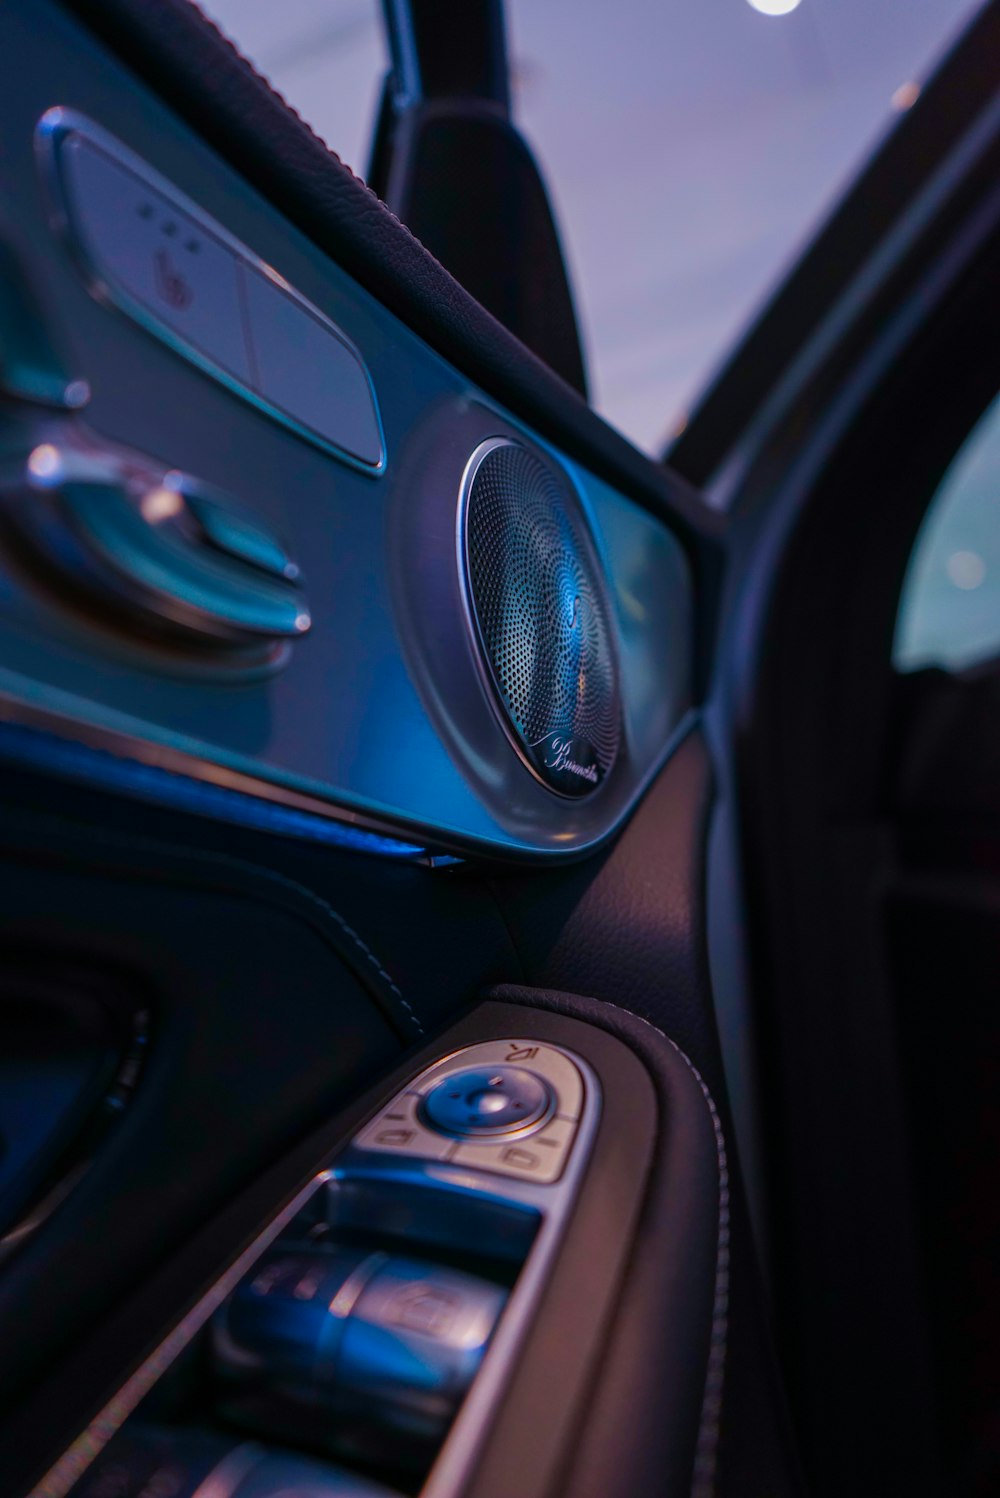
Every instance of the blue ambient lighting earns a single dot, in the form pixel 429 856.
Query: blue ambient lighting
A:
pixel 37 750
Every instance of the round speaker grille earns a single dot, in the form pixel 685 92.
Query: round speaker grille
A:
pixel 534 591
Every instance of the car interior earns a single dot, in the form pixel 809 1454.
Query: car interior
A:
pixel 500 933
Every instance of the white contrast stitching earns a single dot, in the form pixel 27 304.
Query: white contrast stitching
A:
pixel 304 889
pixel 151 845
pixel 706 1452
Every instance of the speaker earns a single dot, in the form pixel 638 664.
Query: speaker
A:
pixel 539 616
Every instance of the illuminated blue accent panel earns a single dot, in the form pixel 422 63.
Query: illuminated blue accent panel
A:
pixel 368 719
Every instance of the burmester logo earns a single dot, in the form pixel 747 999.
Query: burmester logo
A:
pixel 559 755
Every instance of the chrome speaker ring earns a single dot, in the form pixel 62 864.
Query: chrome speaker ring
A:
pixel 539 619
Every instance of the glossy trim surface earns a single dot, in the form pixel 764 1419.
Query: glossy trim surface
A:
pixel 378 719
pixel 471 616
pixel 55 127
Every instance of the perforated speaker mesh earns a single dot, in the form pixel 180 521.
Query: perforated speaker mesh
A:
pixel 534 591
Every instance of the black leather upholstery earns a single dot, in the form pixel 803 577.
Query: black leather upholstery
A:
pixel 266 1014
pixel 628 925
pixel 664 1417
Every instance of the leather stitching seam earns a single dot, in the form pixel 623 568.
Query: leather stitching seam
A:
pixel 302 890
pixel 260 78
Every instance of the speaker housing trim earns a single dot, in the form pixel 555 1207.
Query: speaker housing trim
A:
pixel 480 646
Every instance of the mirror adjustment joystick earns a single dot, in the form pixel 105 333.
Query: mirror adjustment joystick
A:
pixel 510 1107
pixel 488 1102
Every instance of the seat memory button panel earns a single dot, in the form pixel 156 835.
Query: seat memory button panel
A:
pixel 139 244
pixel 307 372
pixel 147 249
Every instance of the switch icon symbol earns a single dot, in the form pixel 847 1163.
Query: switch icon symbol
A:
pixel 171 284
pixel 523 1159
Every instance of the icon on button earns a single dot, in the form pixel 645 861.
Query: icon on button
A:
pixel 522 1159
pixel 171 283
pixel 423 1308
pixel 398 1137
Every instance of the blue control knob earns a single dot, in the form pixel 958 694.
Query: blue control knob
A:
pixel 488 1102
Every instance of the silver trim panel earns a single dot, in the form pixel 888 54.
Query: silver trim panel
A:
pixel 58 128
pixel 553 1203
pixel 471 615
pixel 380 719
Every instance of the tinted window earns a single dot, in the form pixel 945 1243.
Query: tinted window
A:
pixel 950 609
pixel 691 148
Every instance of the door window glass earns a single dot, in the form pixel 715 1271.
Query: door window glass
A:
pixel 949 614
pixel 691 149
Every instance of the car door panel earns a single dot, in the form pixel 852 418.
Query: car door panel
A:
pixel 327 865
pixel 290 955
